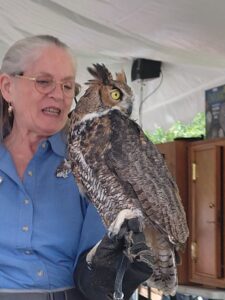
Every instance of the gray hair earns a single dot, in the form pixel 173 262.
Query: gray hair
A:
pixel 27 50
pixel 18 57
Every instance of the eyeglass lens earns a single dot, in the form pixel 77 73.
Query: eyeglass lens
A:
pixel 45 85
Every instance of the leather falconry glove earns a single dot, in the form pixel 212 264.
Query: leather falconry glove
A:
pixel 116 270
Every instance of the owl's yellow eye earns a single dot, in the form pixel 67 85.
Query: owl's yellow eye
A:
pixel 115 94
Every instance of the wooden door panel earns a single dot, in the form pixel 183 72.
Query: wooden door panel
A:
pixel 206 227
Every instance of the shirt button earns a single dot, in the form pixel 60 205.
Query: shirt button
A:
pixel 1 179
pixel 28 252
pixel 26 201
pixel 25 228
pixel 43 145
pixel 40 273
pixel 30 173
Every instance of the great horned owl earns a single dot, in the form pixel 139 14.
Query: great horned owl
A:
pixel 123 173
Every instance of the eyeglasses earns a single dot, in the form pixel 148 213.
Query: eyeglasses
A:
pixel 46 85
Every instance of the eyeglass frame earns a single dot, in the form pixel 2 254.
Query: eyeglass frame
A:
pixel 34 79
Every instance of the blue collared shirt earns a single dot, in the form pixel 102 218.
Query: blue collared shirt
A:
pixel 44 222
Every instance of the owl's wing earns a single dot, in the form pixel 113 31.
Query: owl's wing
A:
pixel 137 162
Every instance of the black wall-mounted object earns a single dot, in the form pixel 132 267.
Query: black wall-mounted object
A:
pixel 145 69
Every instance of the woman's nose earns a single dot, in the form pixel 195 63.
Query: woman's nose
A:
pixel 57 91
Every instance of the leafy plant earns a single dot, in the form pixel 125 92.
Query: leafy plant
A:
pixel 195 128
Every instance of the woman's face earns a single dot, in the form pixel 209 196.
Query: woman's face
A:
pixel 43 114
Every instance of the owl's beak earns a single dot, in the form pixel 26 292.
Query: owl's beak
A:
pixel 129 109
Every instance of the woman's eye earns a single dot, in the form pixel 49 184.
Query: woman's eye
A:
pixel 44 82
pixel 115 94
pixel 68 86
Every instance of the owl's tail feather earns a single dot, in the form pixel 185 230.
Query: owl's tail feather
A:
pixel 164 275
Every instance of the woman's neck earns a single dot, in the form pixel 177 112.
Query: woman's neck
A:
pixel 22 148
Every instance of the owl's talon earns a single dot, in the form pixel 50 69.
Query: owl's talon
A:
pixel 147 257
pixel 91 254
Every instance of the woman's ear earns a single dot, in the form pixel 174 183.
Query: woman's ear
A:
pixel 5 86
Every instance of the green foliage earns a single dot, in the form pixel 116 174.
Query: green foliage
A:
pixel 194 129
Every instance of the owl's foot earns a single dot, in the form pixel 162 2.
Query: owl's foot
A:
pixel 125 214
pixel 129 240
pixel 128 227
pixel 64 169
pixel 136 248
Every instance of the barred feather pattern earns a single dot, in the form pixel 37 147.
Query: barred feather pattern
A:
pixel 93 181
pixel 164 277
pixel 153 185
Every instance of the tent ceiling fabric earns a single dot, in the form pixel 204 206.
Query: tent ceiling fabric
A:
pixel 188 36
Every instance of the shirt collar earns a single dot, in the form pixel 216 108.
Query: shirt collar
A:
pixel 58 143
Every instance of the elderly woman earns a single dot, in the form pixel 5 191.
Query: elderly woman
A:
pixel 46 226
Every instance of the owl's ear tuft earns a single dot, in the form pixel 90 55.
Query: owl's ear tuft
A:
pixel 121 77
pixel 100 72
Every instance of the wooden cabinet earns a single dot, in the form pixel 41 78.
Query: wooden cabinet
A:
pixel 206 212
pixel 199 170
pixel 176 154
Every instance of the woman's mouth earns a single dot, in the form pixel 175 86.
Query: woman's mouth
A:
pixel 53 111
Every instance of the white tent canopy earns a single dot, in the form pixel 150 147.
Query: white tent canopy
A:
pixel 188 36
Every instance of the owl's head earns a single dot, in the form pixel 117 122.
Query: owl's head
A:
pixel 105 93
